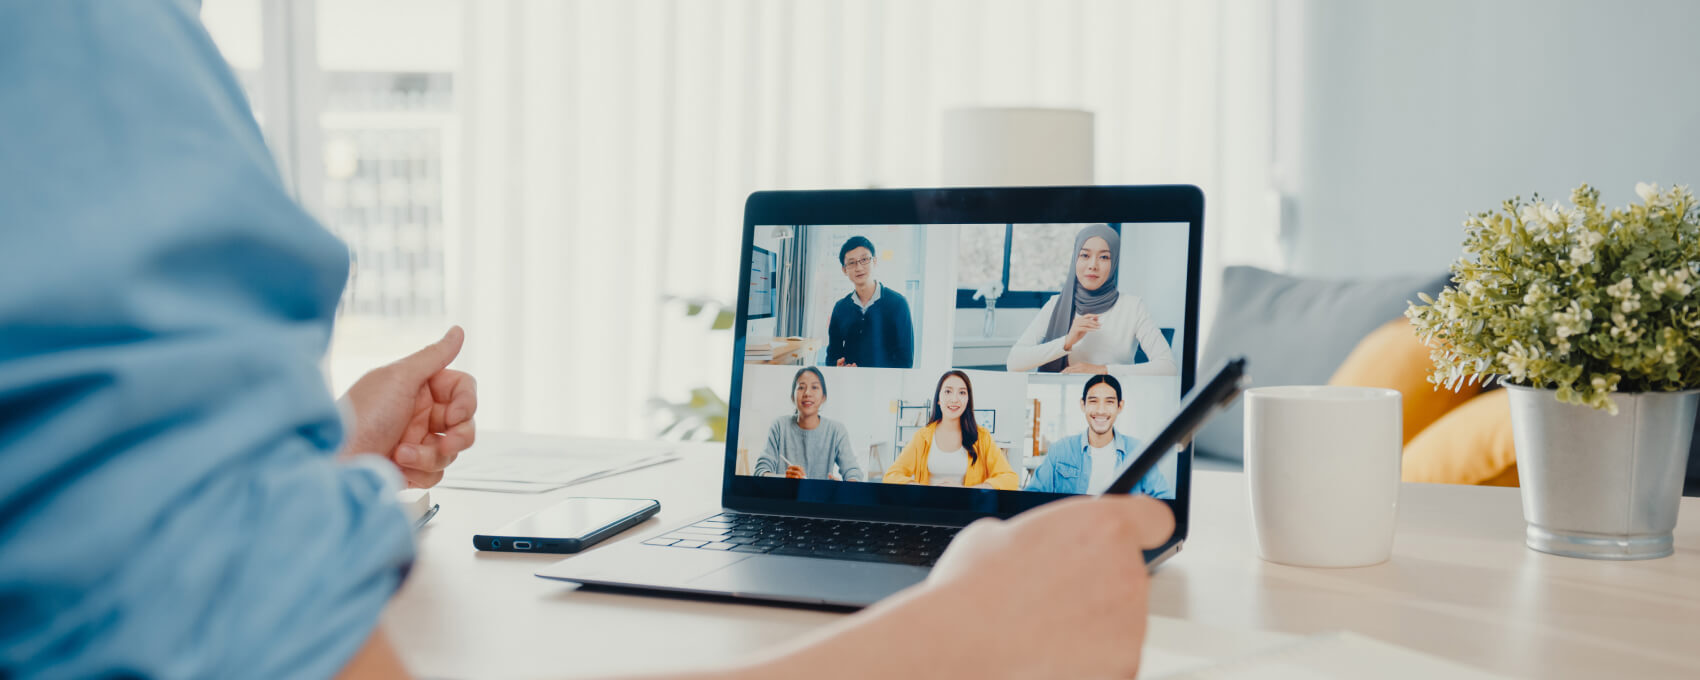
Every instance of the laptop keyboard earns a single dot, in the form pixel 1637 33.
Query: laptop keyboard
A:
pixel 813 537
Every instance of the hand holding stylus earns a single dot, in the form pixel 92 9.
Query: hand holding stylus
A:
pixel 1058 553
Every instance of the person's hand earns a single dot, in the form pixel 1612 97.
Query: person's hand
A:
pixel 1083 588
pixel 1083 324
pixel 415 411
pixel 936 481
pixel 794 472
pixel 1070 575
pixel 840 361
pixel 1089 369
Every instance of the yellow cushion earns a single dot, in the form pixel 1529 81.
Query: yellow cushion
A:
pixel 1471 444
pixel 1392 357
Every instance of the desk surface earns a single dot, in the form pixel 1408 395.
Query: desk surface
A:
pixel 1461 585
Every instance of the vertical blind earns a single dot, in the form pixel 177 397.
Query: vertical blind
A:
pixel 599 152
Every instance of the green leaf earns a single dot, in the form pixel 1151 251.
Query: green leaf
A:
pixel 1518 285
pixel 724 320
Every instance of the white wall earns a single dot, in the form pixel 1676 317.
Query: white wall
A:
pixel 1009 322
pixel 762 328
pixel 1059 406
pixel 1411 115
pixel 1153 267
pixel 939 287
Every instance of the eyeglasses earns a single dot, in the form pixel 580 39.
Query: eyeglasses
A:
pixel 858 262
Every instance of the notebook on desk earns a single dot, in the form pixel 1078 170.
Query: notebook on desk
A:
pixel 1338 655
pixel 974 426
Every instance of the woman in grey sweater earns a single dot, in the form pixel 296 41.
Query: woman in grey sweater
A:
pixel 804 445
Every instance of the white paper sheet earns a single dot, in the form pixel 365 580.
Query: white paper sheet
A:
pixel 1338 655
pixel 535 470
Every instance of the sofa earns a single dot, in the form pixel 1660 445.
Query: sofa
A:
pixel 1307 331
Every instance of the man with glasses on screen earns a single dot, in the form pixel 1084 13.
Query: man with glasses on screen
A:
pixel 179 496
pixel 1087 461
pixel 870 327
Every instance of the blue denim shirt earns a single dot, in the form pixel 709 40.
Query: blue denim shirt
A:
pixel 1068 468
pixel 171 503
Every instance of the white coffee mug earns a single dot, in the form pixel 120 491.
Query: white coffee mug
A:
pixel 1323 465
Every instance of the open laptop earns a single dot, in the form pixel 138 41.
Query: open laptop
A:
pixel 879 403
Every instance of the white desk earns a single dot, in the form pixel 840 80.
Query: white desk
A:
pixel 1460 586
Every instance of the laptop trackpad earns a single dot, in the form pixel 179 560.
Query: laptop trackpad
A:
pixel 803 579
pixel 629 563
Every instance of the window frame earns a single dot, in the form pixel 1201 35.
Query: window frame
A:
pixel 1012 299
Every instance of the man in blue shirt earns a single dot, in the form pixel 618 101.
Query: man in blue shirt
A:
pixel 1086 462
pixel 180 495
pixel 870 327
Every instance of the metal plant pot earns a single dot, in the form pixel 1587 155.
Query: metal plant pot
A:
pixel 1601 486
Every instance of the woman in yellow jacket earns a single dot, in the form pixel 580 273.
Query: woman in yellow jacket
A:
pixel 952 450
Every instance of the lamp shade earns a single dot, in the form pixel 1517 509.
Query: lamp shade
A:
pixel 1017 147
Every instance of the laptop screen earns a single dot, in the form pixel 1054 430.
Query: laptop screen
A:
pixel 1029 358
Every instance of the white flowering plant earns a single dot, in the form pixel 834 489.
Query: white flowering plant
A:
pixel 1580 299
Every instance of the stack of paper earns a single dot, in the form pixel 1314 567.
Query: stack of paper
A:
pixel 758 351
pixel 535 470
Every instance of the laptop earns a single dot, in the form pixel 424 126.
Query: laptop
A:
pixel 900 370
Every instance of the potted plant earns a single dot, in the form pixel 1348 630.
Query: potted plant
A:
pixel 1591 317
pixel 703 416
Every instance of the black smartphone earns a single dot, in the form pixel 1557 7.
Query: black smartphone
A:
pixel 1196 409
pixel 569 526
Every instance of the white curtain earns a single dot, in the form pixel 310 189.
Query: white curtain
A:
pixel 606 147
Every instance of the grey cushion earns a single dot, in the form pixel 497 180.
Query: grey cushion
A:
pixel 1293 331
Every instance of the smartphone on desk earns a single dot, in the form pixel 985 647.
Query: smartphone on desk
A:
pixel 569 526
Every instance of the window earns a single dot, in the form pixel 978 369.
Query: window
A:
pixel 980 259
pixel 366 131
pixel 235 28
pixel 492 164
pixel 1040 255
pixel 387 85
pixel 1031 269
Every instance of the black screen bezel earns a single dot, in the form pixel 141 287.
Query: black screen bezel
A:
pixel 932 505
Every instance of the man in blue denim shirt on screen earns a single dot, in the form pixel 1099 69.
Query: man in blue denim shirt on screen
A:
pixel 1086 462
